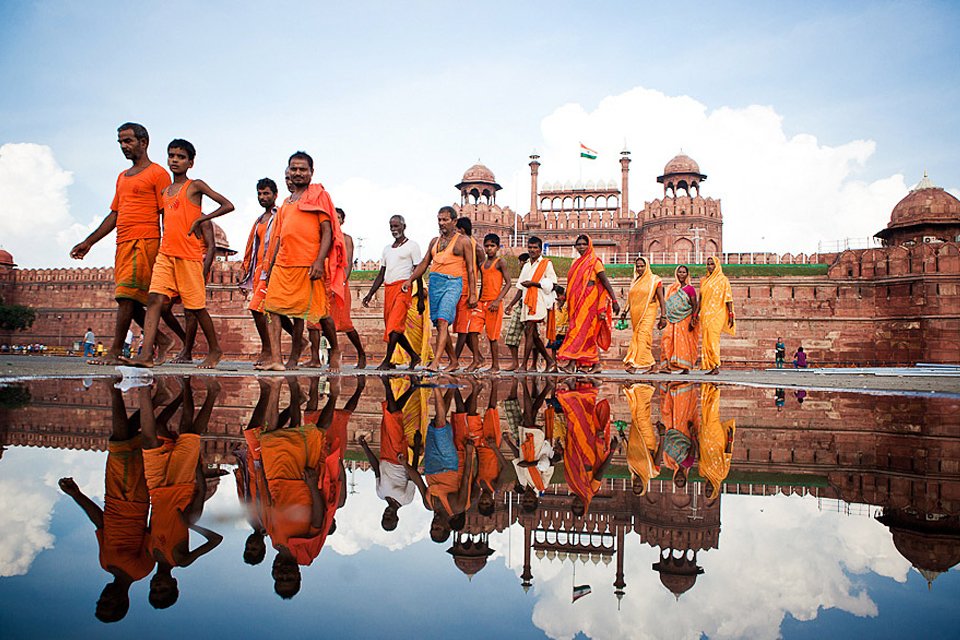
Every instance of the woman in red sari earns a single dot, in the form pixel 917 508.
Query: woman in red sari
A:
pixel 678 346
pixel 589 298
pixel 588 448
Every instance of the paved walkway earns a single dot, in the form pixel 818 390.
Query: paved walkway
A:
pixel 885 381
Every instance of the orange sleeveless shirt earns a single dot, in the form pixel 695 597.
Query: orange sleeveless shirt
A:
pixel 446 262
pixel 492 281
pixel 178 214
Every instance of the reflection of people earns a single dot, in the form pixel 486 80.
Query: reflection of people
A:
pixel 251 484
pixel 644 445
pixel 779 398
pixel 393 485
pixel 716 441
pixel 801 395
pixel 678 343
pixel 716 314
pixel 448 464
pixel 590 296
pixel 177 488
pixel 534 454
pixel 643 301
pixel 589 447
pixel 122 523
pixel 678 413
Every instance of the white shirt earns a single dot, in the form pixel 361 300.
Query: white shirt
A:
pixel 545 452
pixel 395 483
pixel 545 294
pixel 400 262
pixel 129 338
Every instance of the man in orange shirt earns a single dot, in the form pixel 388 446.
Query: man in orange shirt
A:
pixel 307 265
pixel 340 311
pixel 175 479
pixel 135 214
pixel 122 522
pixel 252 271
pixel 469 321
pixel 181 268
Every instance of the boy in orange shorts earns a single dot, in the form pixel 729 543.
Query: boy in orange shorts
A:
pixel 181 269
pixel 495 282
pixel 177 487
pixel 493 471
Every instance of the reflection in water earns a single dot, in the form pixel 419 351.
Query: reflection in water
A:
pixel 525 455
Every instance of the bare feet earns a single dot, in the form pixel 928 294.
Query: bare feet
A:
pixel 292 363
pixel 714 372
pixel 452 367
pixel 273 366
pixel 183 358
pixel 212 360
pixel 414 363
pixel 334 359
pixel 264 356
pixel 386 365
pixel 164 344
pixel 513 366
pixel 684 372
pixel 107 361
pixel 143 362
pixel 473 366
pixel 313 363
pixel 594 369
pixel 361 361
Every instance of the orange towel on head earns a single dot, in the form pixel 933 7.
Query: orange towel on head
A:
pixel 396 305
pixel 138 201
pixel 133 268
pixel 179 277
pixel 340 310
pixel 292 293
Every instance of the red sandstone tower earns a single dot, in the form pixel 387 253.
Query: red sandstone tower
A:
pixel 478 201
pixel 927 214
pixel 683 226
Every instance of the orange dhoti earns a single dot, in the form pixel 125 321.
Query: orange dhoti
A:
pixel 285 453
pixel 133 268
pixel 124 539
pixel 179 277
pixel 396 304
pixel 259 291
pixel 492 320
pixel 292 293
pixel 488 465
pixel 173 462
pixel 340 310
pixel 467 320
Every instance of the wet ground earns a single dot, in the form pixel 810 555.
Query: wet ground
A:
pixel 609 508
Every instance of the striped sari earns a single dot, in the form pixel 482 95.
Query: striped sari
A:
pixel 586 300
pixel 587 440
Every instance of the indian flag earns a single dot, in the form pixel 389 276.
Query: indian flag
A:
pixel 580 591
pixel 587 152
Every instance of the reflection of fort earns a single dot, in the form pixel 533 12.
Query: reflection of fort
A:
pixel 899 454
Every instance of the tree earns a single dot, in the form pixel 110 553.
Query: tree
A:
pixel 16 317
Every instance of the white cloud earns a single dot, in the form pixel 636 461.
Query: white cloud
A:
pixel 779 192
pixel 778 555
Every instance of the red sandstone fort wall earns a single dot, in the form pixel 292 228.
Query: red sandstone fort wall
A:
pixel 891 306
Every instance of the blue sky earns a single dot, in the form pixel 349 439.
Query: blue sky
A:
pixel 831 108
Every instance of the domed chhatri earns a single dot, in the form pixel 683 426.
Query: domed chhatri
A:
pixel 681 163
pixel 479 174
pixel 6 259
pixel 926 214
pixel 221 244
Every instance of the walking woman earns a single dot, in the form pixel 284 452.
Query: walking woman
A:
pixel 678 346
pixel 643 301
pixel 716 314
pixel 589 297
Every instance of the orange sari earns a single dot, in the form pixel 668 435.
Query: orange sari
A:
pixel 587 442
pixel 678 344
pixel 587 299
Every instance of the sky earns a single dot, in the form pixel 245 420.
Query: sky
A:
pixel 811 120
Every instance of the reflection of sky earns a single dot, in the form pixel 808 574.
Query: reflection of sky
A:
pixel 783 567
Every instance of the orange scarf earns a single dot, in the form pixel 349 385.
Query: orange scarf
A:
pixel 530 455
pixel 316 198
pixel 530 297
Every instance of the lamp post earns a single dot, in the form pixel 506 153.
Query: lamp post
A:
pixel 59 331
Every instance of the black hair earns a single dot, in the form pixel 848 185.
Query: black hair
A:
pixel 180 143
pixel 491 237
pixel 139 131
pixel 450 211
pixel 465 225
pixel 534 240
pixel 582 236
pixel 559 290
pixel 523 257
pixel 301 155
pixel 458 521
pixel 267 183
pixel 341 212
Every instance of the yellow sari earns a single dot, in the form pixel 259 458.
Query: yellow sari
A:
pixel 415 412
pixel 643 441
pixel 716 440
pixel 418 332
pixel 715 293
pixel 643 315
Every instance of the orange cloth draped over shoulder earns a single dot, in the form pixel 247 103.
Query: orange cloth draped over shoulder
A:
pixel 678 410
pixel 531 297
pixel 124 539
pixel 716 440
pixel 285 453
pixel 678 344
pixel 341 312
pixel 588 440
pixel 587 299
pixel 492 283
pixel 715 294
